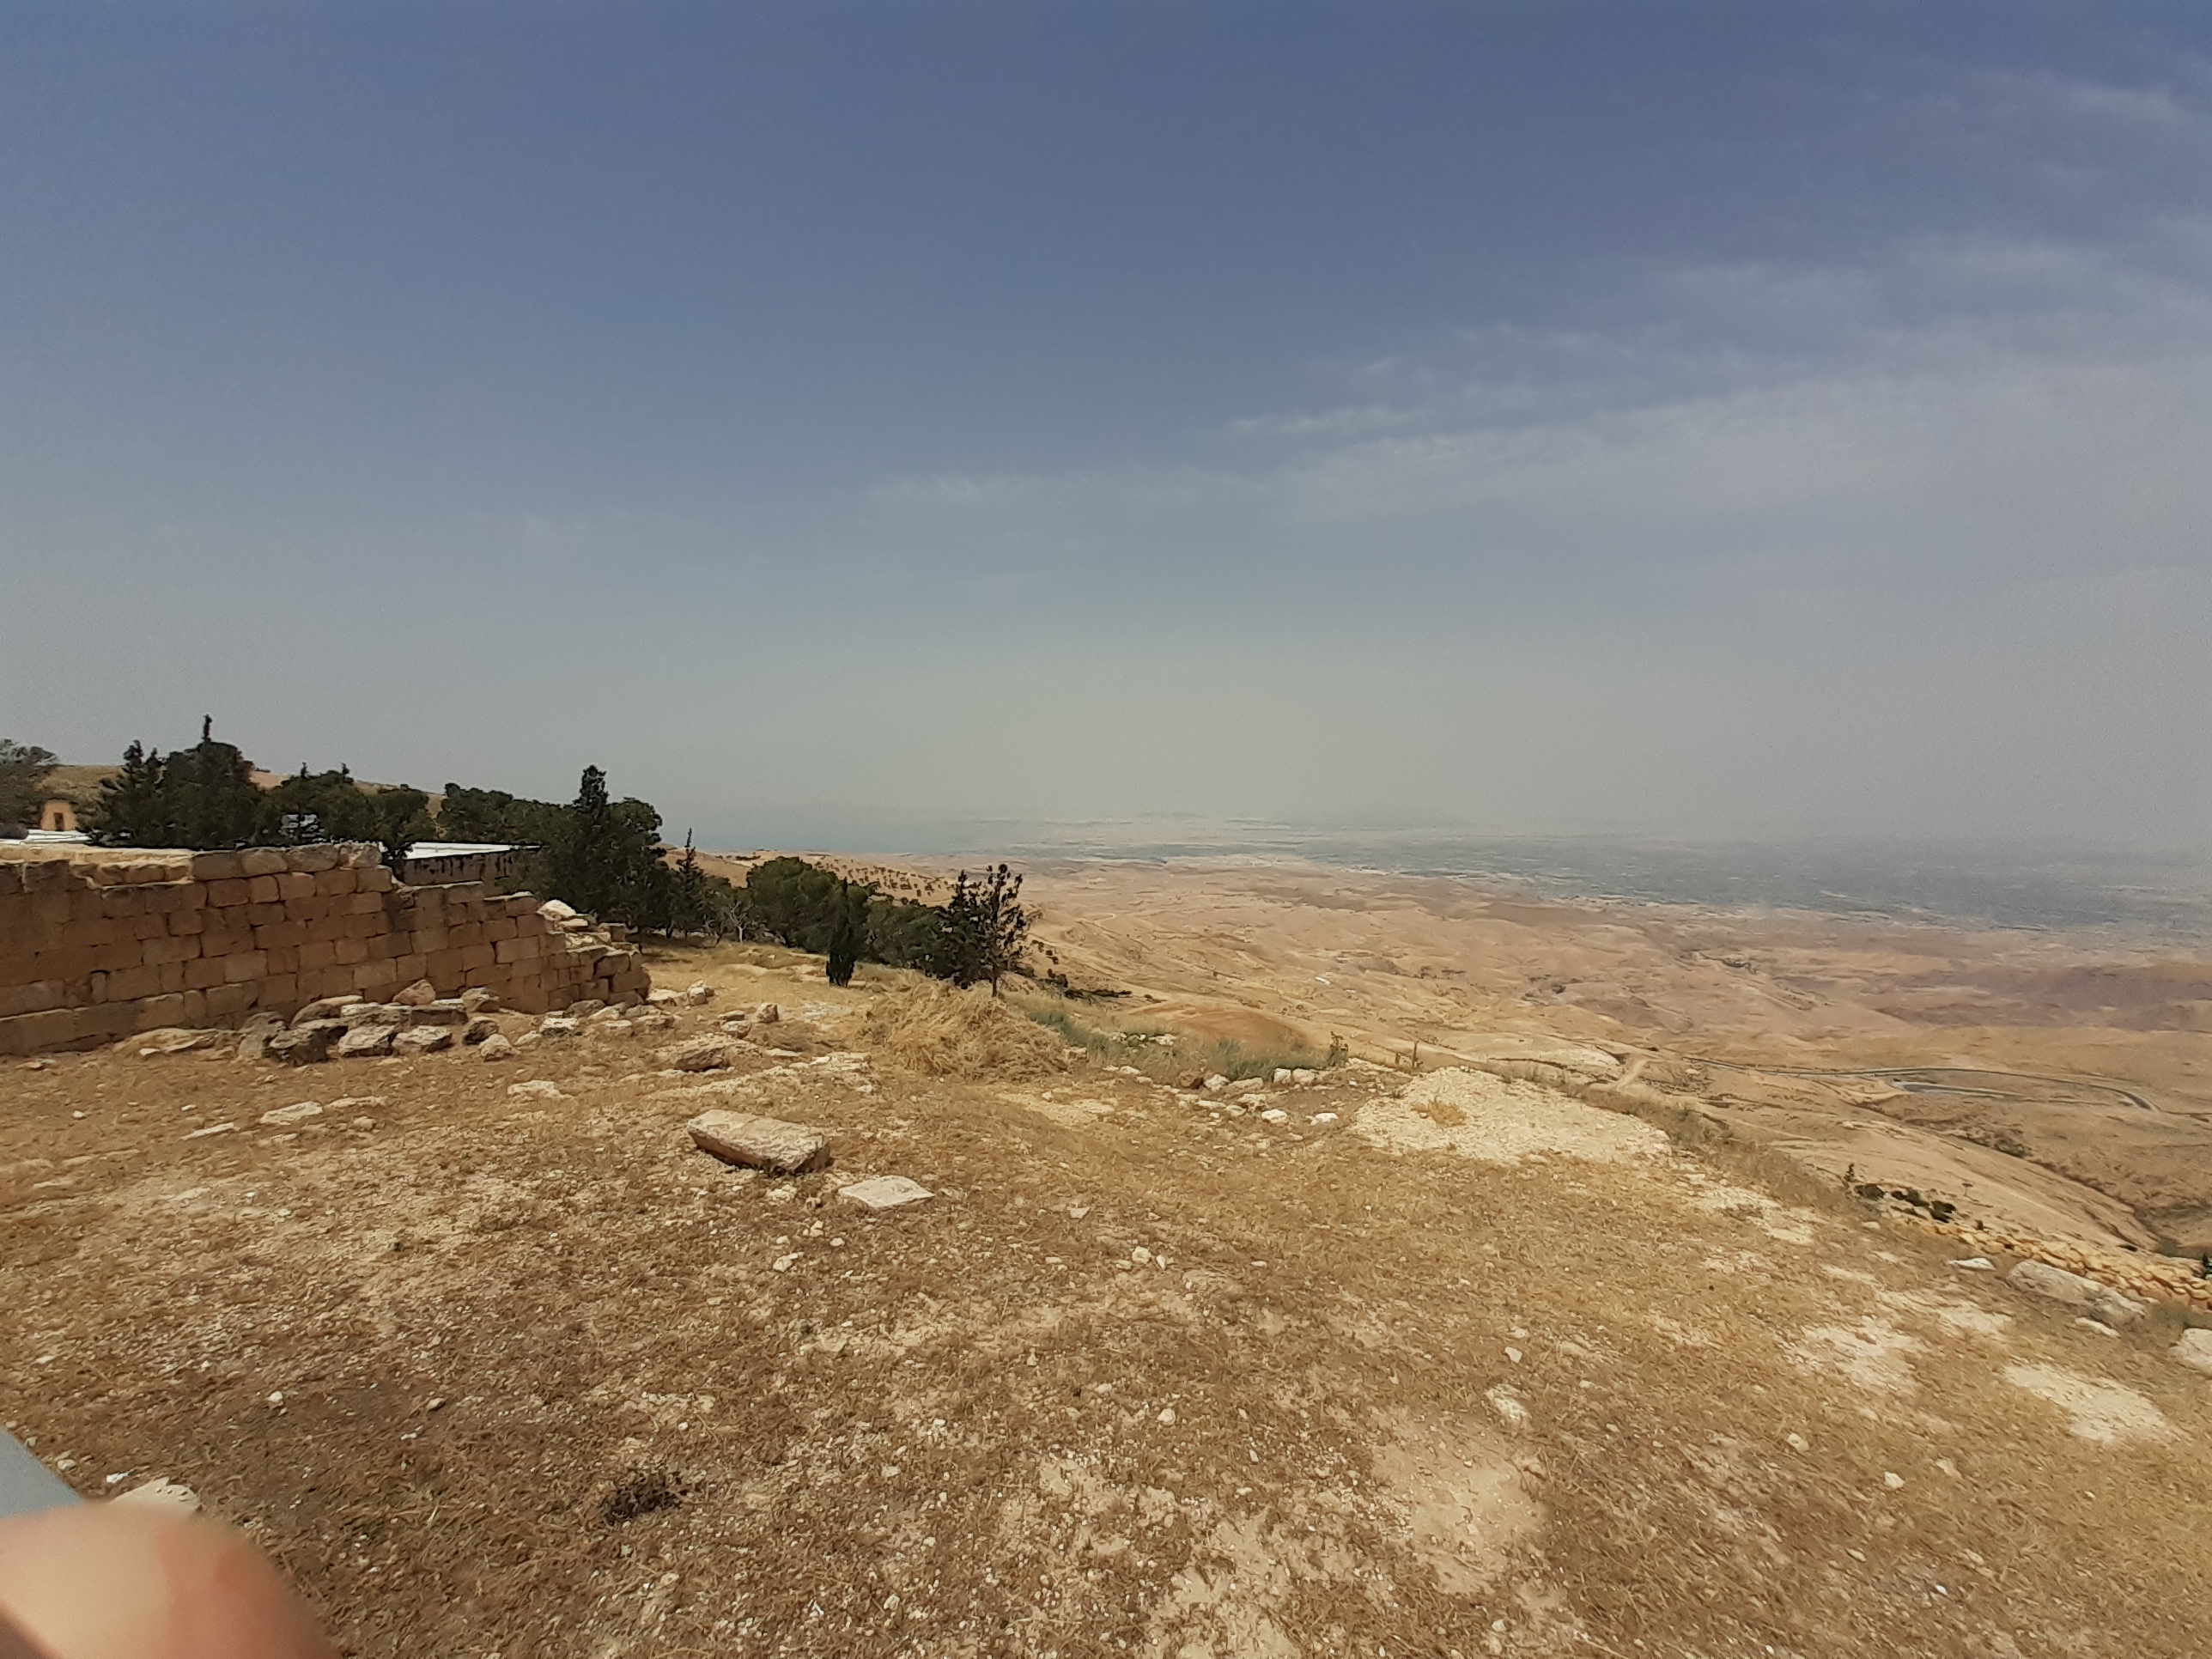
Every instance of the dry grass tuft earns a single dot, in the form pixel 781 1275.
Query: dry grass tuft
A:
pixel 938 1031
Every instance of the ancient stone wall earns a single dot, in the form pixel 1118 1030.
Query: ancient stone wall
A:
pixel 98 944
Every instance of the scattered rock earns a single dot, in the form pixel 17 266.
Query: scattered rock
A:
pixel 172 1040
pixel 211 1129
pixel 585 1009
pixel 1246 1085
pixel 367 1041
pixel 652 1019
pixel 1285 1074
pixel 161 1493
pixel 537 1089
pixel 1300 1075
pixel 2195 1350
pixel 761 1143
pixel 420 994
pixel 254 1034
pixel 700 1054
pixel 495 1047
pixel 1324 1117
pixel 477 1000
pixel 560 1025
pixel 2056 1283
pixel 373 1013
pixel 1217 1081
pixel 603 1016
pixel 554 910
pixel 480 1028
pixel 1976 1264
pixel 445 1011
pixel 305 1045
pixel 363 1124
pixel 661 999
pixel 422 1040
pixel 285 1116
pixel 699 993
pixel 886 1193
pixel 1274 1114
pixel 323 1008
pixel 767 1014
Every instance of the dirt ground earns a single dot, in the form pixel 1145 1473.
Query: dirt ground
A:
pixel 1471 1367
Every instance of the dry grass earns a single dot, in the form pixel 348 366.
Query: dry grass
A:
pixel 984 1426
pixel 932 1029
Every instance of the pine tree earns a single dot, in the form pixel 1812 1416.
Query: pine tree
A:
pixel 983 931
pixel 845 936
pixel 23 770
pixel 581 870
pixel 129 811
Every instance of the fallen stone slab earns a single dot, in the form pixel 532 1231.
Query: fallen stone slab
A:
pixel 560 1025
pixel 2108 1305
pixel 477 1000
pixel 2195 1350
pixel 480 1028
pixel 373 1013
pixel 420 994
pixel 324 1008
pixel 422 1040
pixel 761 1143
pixel 305 1045
pixel 170 1040
pixel 441 1013
pixel 700 1054
pixel 285 1116
pixel 886 1193
pixel 365 1042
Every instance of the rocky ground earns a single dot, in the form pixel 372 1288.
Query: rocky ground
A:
pixel 498 1363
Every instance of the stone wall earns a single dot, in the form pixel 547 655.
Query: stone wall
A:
pixel 96 944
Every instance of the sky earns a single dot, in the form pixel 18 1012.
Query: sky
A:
pixel 841 422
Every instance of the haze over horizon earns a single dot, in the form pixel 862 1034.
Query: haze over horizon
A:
pixel 1738 422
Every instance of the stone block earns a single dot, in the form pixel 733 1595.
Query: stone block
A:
pixel 517 949
pixel 187 923
pixel 431 940
pixel 262 889
pixel 228 891
pixel 35 998
pixel 217 867
pixel 468 933
pixel 154 1013
pixel 283 959
pixel 350 952
pixel 279 990
pixel 11 879
pixel 333 884
pixel 476 957
pixel 760 1143
pixel 203 971
pixel 270 935
pixel 377 879
pixel 258 862
pixel 147 924
pixel 229 1002
pixel 159 951
pixel 317 954
pixel 366 904
pixel 247 965
pixel 295 884
pixel 316 860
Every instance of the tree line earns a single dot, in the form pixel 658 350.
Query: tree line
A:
pixel 606 857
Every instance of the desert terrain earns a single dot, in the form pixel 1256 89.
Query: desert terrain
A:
pixel 1527 1310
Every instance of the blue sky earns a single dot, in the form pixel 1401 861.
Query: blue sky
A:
pixel 838 420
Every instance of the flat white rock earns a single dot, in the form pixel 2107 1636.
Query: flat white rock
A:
pixel 760 1143
pixel 284 1116
pixel 886 1193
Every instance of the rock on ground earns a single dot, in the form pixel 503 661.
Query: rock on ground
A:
pixel 285 1116
pixel 422 1040
pixel 420 994
pixel 2195 1350
pixel 307 1044
pixel 761 1143
pixel 700 1054
pixel 886 1193
pixel 367 1041
pixel 495 1047
pixel 2056 1283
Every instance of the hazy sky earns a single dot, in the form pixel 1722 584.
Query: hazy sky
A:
pixel 1713 419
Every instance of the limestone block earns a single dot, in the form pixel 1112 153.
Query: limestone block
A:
pixel 154 1013
pixel 376 880
pixel 244 965
pixel 217 867
pixel 760 1143
pixel 131 984
pixel 350 952
pixel 32 998
pixel 191 921
pixel 226 1001
pixel 332 883
pixel 315 861
pixel 203 971
pixel 227 892
pixel 295 884
pixel 170 949
pixel 279 990
pixel 258 861
pixel 262 889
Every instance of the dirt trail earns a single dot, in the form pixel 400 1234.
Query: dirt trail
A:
pixel 1469 1369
